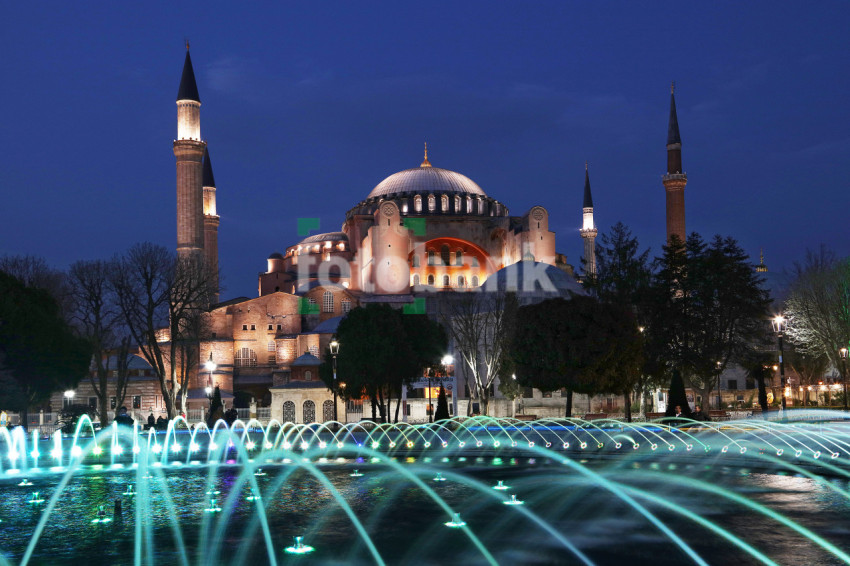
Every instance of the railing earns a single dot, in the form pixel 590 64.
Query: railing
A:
pixel 264 413
pixel 243 414
pixel 195 415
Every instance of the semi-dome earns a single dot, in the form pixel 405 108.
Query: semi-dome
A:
pixel 424 180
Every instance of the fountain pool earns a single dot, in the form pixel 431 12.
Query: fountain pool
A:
pixel 481 491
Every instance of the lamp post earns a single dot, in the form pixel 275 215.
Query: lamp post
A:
pixel 210 365
pixel 69 396
pixel 780 325
pixel 843 353
pixel 719 365
pixel 334 346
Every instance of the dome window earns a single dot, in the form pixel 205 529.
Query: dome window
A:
pixel 431 280
pixel 459 257
pixel 457 204
pixel 417 203
pixel 460 282
pixel 475 281
pixel 432 203
pixel 446 281
pixel 444 202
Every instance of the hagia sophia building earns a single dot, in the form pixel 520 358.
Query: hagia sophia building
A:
pixel 417 234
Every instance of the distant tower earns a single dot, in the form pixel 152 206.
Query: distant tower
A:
pixel 210 221
pixel 588 229
pixel 675 180
pixel 189 151
pixel 761 267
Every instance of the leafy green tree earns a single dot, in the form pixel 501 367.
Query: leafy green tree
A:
pixel 39 352
pixel 381 351
pixel 442 412
pixel 216 411
pixel 579 344
pixel 707 308
pixel 623 277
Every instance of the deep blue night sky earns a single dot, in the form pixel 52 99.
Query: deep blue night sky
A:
pixel 307 108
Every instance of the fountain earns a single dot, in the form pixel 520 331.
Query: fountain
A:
pixel 592 492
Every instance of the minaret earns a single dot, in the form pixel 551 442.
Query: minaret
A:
pixel 675 179
pixel 211 220
pixel 588 229
pixel 761 267
pixel 189 151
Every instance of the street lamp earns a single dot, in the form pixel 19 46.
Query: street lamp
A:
pixel 843 353
pixel 210 365
pixel 334 345
pixel 780 325
pixel 69 397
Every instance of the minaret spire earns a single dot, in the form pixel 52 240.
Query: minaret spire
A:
pixel 189 151
pixel 761 267
pixel 211 221
pixel 426 163
pixel 675 179
pixel 588 228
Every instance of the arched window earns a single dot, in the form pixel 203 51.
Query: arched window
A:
pixel 288 412
pixel 468 205
pixel 328 411
pixel 415 279
pixel 415 261
pixel 474 261
pixel 309 412
pixel 346 306
pixel 308 375
pixel 459 257
pixel 245 358
pixel 480 206
pixel 457 203
pixel 431 280
pixel 475 281
pixel 446 281
pixel 328 301
pixel 417 203
pixel 445 255
pixel 430 257
pixel 460 280
pixel 432 203
pixel 444 201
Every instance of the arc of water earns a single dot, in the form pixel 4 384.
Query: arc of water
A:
pixel 766 511
pixel 617 490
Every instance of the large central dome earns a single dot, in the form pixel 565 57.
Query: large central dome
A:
pixel 424 180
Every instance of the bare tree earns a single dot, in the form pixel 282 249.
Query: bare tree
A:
pixel 817 306
pixel 160 297
pixel 480 324
pixel 96 316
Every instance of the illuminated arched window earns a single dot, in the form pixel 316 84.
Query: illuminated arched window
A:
pixel 480 206
pixel 459 257
pixel 446 281
pixel 475 281
pixel 431 280
pixel 415 261
pixel 445 254
pixel 328 301
pixel 328 410
pixel 309 412
pixel 432 203
pixel 288 412
pixel 460 280
pixel 468 204
pixel 457 203
pixel 417 203
pixel 430 257
pixel 474 261
pixel 444 201
pixel 245 358
pixel 415 279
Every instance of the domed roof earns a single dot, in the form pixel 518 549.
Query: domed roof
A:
pixel 529 276
pixel 424 180
pixel 327 237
